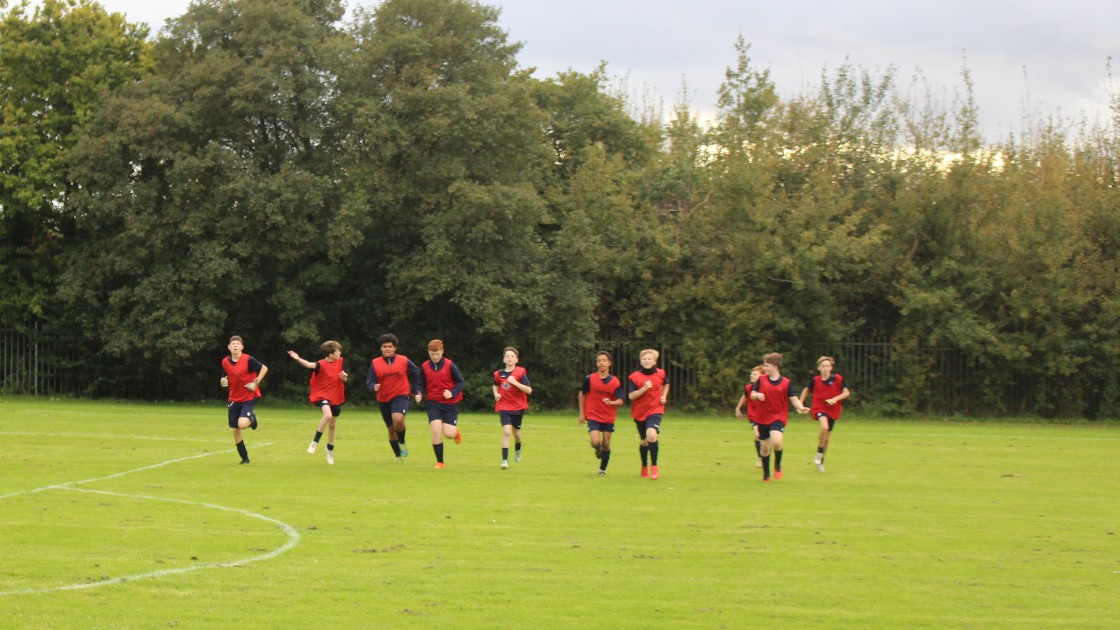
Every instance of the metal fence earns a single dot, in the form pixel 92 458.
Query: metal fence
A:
pixel 879 371
pixel 33 363
pixel 941 380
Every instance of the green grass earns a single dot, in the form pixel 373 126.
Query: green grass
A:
pixel 915 524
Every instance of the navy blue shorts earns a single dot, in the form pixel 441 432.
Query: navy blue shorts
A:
pixel 445 413
pixel 653 421
pixel 595 425
pixel 396 405
pixel 241 410
pixel 336 410
pixel 512 418
pixel 764 430
pixel 831 421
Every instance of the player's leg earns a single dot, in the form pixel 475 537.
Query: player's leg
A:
pixel 765 447
pixel 777 442
pixel 606 431
pixel 653 436
pixel 595 438
pixel 451 424
pixel 331 423
pixel 822 442
pixel 398 422
pixel 387 418
pixel 757 445
pixel 435 423
pixel 517 436
pixel 324 419
pixel 643 446
pixel 507 433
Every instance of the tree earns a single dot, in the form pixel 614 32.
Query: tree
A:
pixel 56 63
pixel 209 188
pixel 446 150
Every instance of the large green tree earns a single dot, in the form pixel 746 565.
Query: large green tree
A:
pixel 57 58
pixel 447 150
pixel 209 190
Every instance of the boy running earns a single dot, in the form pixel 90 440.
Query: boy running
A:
pixel 599 400
pixel 772 392
pixel 648 393
pixel 752 411
pixel 829 393
pixel 511 399
pixel 328 391
pixel 393 376
pixel 442 382
pixel 242 374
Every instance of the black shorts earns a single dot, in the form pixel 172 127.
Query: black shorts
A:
pixel 239 410
pixel 445 413
pixel 396 405
pixel 336 410
pixel 513 418
pixel 764 430
pixel 653 421
pixel 595 425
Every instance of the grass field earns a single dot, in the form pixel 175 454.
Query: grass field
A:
pixel 139 516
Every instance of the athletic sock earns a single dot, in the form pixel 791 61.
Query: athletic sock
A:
pixel 330 447
pixel 318 436
pixel 644 450
pixel 517 447
pixel 438 448
pixel 396 447
pixel 505 453
pixel 400 436
pixel 242 450
pixel 777 460
pixel 765 466
pixel 604 460
pixel 758 448
pixel 820 449
pixel 654 448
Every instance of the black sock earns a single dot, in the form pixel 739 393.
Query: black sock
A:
pixel 438 448
pixel 318 436
pixel 400 436
pixel 758 448
pixel 654 447
pixel 778 461
pixel 330 447
pixel 396 447
pixel 242 450
pixel 517 446
pixel 644 450
pixel 765 466
pixel 604 459
pixel 505 453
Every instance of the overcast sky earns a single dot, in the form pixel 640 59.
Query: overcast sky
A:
pixel 1025 56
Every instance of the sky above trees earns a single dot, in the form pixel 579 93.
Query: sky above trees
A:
pixel 1026 57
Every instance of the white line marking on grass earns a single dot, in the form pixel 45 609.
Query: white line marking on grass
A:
pixel 289 531
pixel 292 534
pixel 66 486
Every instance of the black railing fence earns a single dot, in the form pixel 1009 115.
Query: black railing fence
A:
pixel 881 373
pixel 35 363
